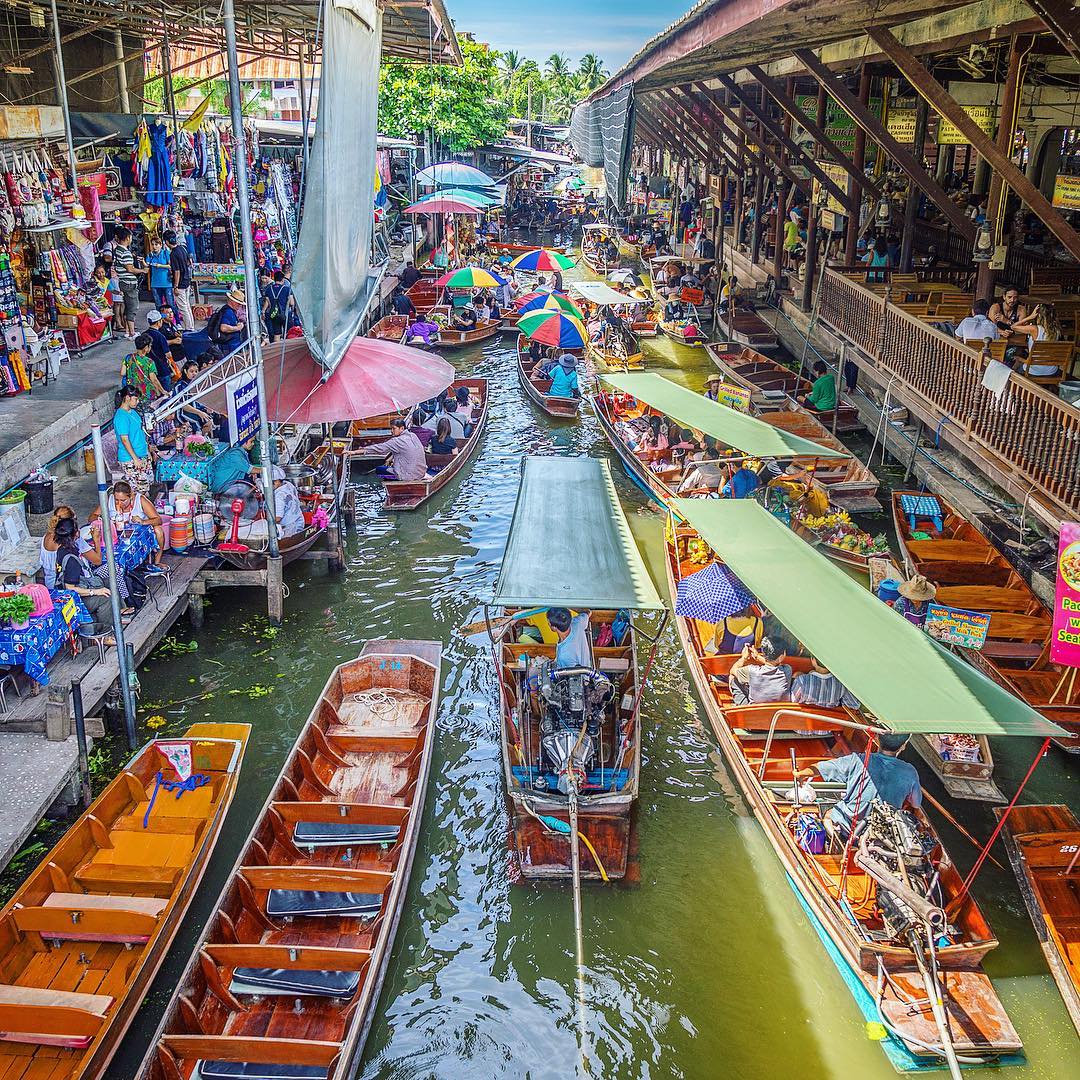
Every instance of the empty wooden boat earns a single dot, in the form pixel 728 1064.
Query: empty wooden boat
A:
pixel 286 976
pixel 565 725
pixel 750 329
pixel 85 934
pixel 410 494
pixel 449 338
pixel 885 953
pixel 424 294
pixel 390 328
pixel 536 387
pixel 775 386
pixel 1043 843
pixel 971 573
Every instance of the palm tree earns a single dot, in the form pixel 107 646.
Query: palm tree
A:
pixel 591 71
pixel 557 66
pixel 510 62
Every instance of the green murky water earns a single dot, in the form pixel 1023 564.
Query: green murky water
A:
pixel 707 968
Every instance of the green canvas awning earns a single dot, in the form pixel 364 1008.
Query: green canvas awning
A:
pixel 569 543
pixel 900 674
pixel 728 426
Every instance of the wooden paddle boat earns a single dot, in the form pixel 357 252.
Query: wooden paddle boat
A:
pixel 570 736
pixel 536 387
pixel 85 934
pixel 1043 842
pixel 424 294
pixel 750 329
pixel 410 494
pixel 677 332
pixel 971 573
pixel 449 338
pixel 286 975
pixel 390 328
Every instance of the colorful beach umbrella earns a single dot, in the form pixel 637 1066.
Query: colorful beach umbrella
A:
pixel 473 196
pixel 454 174
pixel 470 277
pixel 438 205
pixel 711 594
pixel 553 328
pixel 548 301
pixel 542 259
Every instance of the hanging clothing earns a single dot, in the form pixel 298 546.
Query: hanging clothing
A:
pixel 159 185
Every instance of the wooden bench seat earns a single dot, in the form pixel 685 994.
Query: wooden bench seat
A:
pixel 86 922
pixel 988 598
pixel 151 879
pixel 29 1014
pixel 951 551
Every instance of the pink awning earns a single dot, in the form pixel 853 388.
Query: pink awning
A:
pixel 372 378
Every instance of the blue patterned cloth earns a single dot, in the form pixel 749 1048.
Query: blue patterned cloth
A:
pixel 711 594
pixel 133 550
pixel 168 470
pixel 33 648
pixel 921 506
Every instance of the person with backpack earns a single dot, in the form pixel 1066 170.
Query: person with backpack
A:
pixel 277 306
pixel 74 574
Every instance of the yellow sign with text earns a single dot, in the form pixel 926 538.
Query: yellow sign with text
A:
pixel 734 397
pixel 839 177
pixel 901 125
pixel 985 117
pixel 1067 192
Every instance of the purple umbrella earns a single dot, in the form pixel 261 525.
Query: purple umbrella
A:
pixel 711 594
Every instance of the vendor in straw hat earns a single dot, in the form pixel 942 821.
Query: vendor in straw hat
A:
pixel 712 386
pixel 914 600
pixel 231 321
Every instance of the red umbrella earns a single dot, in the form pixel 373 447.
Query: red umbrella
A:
pixel 442 206
pixel 372 378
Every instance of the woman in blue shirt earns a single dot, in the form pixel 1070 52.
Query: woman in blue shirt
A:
pixel 132 449
pixel 157 263
pixel 564 380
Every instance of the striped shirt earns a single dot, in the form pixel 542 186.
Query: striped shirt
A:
pixel 124 262
pixel 824 691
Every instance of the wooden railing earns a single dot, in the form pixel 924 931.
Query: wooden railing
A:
pixel 1031 431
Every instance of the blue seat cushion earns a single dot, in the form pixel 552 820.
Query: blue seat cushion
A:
pixel 283 902
pixel 332 833
pixel 289 981
pixel 246 1070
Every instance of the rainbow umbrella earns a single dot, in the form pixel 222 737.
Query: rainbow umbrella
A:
pixel 439 205
pixel 553 328
pixel 548 301
pixel 542 259
pixel 470 277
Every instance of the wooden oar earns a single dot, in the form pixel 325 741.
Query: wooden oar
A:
pixel 503 621
pixel 957 826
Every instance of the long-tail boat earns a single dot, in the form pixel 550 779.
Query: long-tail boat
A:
pixel 285 978
pixel 775 386
pixel 410 494
pixel 1043 843
pixel 536 387
pixel 971 573
pixel 390 328
pixel 424 294
pixel 592 235
pixel 449 338
pixel 677 332
pixel 570 735
pixel 890 907
pixel 84 935
pixel 750 329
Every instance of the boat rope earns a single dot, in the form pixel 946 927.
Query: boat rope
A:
pixel 957 900
pixel 195 780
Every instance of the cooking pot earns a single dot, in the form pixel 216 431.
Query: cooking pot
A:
pixel 303 476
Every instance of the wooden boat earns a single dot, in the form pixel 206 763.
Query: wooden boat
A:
pixel 674 331
pixel 762 744
pixel 390 328
pixel 845 556
pixel 288 970
pixel 424 294
pixel 520 249
pixel 850 483
pixel 363 433
pixel 971 573
pixel 645 328
pixel 1042 842
pixel 605 744
pixel 750 329
pixel 509 322
pixel 775 386
pixel 409 494
pixel 85 934
pixel 610 359
pixel 536 388
pixel 450 338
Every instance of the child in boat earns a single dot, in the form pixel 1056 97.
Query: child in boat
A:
pixel 443 442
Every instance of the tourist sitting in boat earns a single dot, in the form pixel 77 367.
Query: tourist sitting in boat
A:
pixel 457 418
pixel 564 379
pixel 402 303
pixel 443 441
pixel 914 599
pixel 822 396
pixel 655 437
pixel 737 632
pixel 760 674
pixel 712 386
pixel 573 649
pixel 422 330
pixel 684 445
pixel 883 776
pixel 822 688
pixel 407 451
pixel 741 483
pixel 673 311
pixel 416 426
pixel 466 319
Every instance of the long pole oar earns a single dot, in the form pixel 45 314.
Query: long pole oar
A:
pixel 957 826
pixel 575 867
pixel 482 625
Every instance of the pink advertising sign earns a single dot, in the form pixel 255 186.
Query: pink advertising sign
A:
pixel 1065 643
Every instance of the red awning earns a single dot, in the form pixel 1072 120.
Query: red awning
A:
pixel 372 378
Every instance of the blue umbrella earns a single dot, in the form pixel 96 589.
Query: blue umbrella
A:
pixel 711 594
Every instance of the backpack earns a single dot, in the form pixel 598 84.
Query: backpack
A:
pixel 213 327
pixel 273 310
pixel 86 577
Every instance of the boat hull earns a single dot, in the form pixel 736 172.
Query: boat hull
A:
pixel 559 408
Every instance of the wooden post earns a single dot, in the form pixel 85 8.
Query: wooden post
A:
pixel 275 601
pixel 197 603
pixel 858 160
pixel 740 197
pixel 755 239
pixel 810 267
pixel 907 242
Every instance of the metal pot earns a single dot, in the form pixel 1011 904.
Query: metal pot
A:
pixel 303 476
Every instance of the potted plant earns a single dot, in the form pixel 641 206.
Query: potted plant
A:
pixel 15 609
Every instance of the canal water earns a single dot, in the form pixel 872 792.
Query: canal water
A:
pixel 706 967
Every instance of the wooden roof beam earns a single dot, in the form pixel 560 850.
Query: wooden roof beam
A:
pixel 672 138
pixel 641 120
pixel 940 99
pixel 876 130
pixel 701 116
pixel 795 151
pixel 777 92
pixel 693 145
pixel 730 139
pixel 1062 20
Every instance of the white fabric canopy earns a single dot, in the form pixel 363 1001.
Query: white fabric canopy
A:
pixel 599 293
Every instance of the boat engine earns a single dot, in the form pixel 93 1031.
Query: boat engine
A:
pixel 572 703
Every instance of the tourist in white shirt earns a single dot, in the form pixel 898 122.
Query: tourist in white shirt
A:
pixel 977 326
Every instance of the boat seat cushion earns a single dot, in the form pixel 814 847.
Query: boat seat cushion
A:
pixel 291 981
pixel 332 833
pixel 144 905
pixel 284 902
pixel 52 1017
pixel 247 1070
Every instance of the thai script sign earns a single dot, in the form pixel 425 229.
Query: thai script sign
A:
pixel 900 124
pixel 1067 192
pixel 985 117
pixel 242 401
pixel 734 397
pixel 955 626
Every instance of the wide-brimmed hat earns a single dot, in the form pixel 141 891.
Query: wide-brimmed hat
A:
pixel 236 295
pixel 568 361
pixel 917 588
pixel 714 377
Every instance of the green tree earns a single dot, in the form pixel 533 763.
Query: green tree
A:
pixel 557 66
pixel 510 64
pixel 465 106
pixel 591 72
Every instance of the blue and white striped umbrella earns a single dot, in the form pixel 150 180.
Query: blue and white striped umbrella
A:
pixel 711 594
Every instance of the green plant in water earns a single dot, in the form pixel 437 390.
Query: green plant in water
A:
pixel 256 691
pixel 171 646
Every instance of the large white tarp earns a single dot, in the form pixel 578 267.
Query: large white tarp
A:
pixel 599 293
pixel 331 272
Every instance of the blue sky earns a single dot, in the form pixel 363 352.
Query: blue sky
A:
pixel 613 29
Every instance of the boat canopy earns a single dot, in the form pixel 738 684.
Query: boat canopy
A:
pixel 569 543
pixel 904 678
pixel 599 293
pixel 599 226
pixel 728 426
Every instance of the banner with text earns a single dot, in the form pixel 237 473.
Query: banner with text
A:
pixel 1065 640
pixel 956 626
pixel 242 402
pixel 985 117
pixel 1067 192
pixel 734 397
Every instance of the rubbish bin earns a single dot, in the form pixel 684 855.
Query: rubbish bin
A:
pixel 39 496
